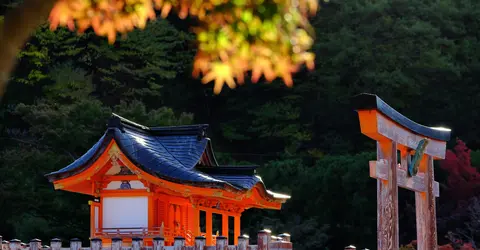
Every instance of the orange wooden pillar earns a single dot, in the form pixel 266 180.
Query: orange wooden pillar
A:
pixel 225 225
pixel 208 230
pixel 92 218
pixel 425 208
pixel 151 211
pixel 95 217
pixel 177 220
pixel 236 228
pixel 100 217
pixel 171 217
pixel 181 219
pixel 196 221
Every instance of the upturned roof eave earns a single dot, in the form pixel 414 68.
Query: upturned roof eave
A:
pixel 121 123
pixel 103 144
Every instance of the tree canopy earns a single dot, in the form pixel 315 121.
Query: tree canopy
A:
pixel 270 38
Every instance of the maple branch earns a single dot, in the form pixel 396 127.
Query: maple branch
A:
pixel 18 24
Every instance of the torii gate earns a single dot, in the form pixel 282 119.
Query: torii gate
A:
pixel 418 146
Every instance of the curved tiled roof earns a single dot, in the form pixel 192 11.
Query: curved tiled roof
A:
pixel 170 153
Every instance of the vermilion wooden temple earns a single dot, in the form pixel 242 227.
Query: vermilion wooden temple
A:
pixel 154 181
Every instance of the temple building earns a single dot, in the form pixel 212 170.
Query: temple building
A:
pixel 156 181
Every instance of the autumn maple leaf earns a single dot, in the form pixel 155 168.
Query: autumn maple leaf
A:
pixel 232 39
pixel 222 73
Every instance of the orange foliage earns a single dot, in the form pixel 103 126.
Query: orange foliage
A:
pixel 271 38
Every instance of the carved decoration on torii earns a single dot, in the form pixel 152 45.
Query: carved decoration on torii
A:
pixel 417 157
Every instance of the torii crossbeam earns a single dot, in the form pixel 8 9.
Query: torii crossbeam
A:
pixel 418 146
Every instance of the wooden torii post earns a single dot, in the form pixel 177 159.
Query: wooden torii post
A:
pixel 417 146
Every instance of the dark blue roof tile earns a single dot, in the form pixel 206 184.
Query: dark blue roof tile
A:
pixel 171 153
pixel 240 181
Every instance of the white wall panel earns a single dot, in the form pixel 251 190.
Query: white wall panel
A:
pixel 125 212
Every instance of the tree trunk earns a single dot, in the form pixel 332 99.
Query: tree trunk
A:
pixel 18 24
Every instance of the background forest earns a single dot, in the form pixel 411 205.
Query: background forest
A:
pixel 420 56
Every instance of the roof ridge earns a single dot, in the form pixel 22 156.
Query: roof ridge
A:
pixel 117 121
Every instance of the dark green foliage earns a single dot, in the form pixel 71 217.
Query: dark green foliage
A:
pixel 330 205
pixel 137 66
pixel 30 207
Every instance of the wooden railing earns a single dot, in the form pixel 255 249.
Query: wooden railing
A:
pixel 189 239
pixel 214 237
pixel 142 232
pixel 127 232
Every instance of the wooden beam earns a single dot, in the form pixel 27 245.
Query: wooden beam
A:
pixel 216 211
pixel 387 199
pixel 125 193
pixel 168 194
pixel 378 127
pixel 379 170
pixel 218 205
pixel 109 178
